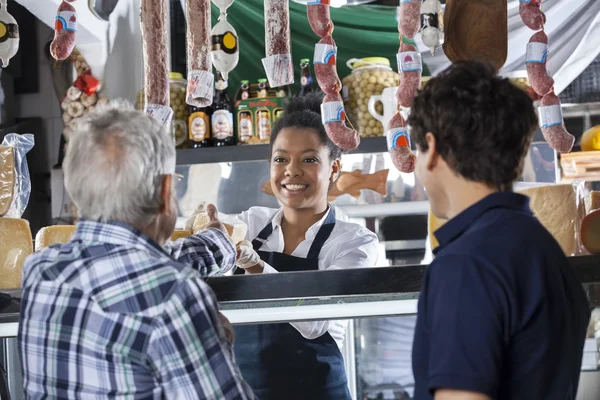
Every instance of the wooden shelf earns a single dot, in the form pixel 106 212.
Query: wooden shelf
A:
pixel 258 152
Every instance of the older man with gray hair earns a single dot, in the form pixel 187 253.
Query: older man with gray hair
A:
pixel 116 312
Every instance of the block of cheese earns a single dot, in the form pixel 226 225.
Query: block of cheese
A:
pixel 433 224
pixel 7 178
pixel 15 245
pixel 592 201
pixel 180 233
pixel 556 208
pixel 53 234
pixel 235 228
pixel 590 232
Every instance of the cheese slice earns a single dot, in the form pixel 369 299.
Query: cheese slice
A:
pixel 236 231
pixel 556 208
pixel 180 233
pixel 15 245
pixel 592 201
pixel 7 178
pixel 52 235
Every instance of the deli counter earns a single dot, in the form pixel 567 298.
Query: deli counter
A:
pixel 381 302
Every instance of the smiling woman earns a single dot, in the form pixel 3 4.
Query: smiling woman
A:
pixel 299 360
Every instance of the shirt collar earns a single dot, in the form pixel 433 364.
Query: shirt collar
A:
pixel 311 232
pixel 113 232
pixel 459 224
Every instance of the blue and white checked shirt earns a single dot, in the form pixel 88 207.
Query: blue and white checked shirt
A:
pixel 113 315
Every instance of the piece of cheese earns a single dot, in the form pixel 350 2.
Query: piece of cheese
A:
pixel 7 178
pixel 15 245
pixel 590 232
pixel 433 224
pixel 592 201
pixel 53 234
pixel 237 231
pixel 180 233
pixel 556 208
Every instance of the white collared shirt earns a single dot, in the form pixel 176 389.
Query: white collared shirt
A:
pixel 349 246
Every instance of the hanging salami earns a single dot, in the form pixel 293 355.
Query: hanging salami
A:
pixel 200 79
pixel 278 61
pixel 65 30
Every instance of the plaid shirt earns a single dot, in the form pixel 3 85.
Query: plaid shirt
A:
pixel 113 315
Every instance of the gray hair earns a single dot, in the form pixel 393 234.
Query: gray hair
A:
pixel 114 164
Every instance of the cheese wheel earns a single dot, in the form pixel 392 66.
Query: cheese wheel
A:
pixel 7 178
pixel 556 208
pixel 237 231
pixel 52 235
pixel 590 232
pixel 15 245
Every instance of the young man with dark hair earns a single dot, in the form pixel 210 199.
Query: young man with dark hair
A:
pixel 501 313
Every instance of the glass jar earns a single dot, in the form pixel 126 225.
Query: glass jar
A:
pixel 369 77
pixel 181 111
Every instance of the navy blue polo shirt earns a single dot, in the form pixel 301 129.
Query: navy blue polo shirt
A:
pixel 501 311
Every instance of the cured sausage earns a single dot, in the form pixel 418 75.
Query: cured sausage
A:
pixel 334 121
pixel 325 66
pixel 398 142
pixel 65 30
pixel 278 61
pixel 531 14
pixel 537 54
pixel 199 63
pixel 319 17
pixel 409 18
pixel 552 124
pixel 410 68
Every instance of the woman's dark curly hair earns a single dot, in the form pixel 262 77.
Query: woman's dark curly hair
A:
pixel 483 124
pixel 305 112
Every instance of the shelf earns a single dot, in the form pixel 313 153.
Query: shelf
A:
pixel 258 152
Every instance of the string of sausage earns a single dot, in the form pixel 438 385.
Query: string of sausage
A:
pixel 278 61
pixel 199 63
pixel 153 16
pixel 332 108
pixel 550 111
pixel 65 30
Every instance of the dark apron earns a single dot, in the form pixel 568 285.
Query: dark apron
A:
pixel 275 359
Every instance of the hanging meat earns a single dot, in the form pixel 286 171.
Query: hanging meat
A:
pixel 319 17
pixel 65 30
pixel 398 142
pixel 200 82
pixel 278 61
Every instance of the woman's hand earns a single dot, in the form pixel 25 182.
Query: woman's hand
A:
pixel 248 259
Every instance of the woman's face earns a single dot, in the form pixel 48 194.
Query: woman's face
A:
pixel 301 170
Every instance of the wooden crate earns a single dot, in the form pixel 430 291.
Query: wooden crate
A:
pixel 584 165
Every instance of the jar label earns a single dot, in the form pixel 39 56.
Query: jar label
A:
pixel 324 54
pixel 409 61
pixel 245 126
pixel 222 124
pixel 163 114
pixel 397 137
pixel 332 111
pixel 536 52
pixel 550 116
pixel 66 21
pixel 199 127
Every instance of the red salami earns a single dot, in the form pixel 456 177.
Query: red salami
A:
pixel 410 19
pixel 325 66
pixel 552 124
pixel 199 62
pixel 537 54
pixel 319 17
pixel 278 61
pixel 398 141
pixel 532 15
pixel 334 121
pixel 65 30
pixel 410 68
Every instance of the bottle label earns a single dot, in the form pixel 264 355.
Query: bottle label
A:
pixel 324 54
pixel 244 127
pixel 409 61
pixel 222 124
pixel 550 116
pixel 332 111
pixel 430 20
pixel 536 52
pixel 163 114
pixel 303 80
pixel 263 125
pixel 8 31
pixel 199 126
pixel 221 85
pixel 397 137
pixel 66 21
pixel 244 95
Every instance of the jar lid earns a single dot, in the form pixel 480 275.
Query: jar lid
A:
pixel 176 76
pixel 370 61
pixel 262 80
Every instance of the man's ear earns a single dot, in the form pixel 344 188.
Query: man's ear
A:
pixel 166 189
pixel 432 156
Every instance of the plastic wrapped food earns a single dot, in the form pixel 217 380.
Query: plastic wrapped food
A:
pixel 19 198
pixel 16 245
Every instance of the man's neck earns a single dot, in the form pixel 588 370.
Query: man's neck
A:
pixel 463 194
